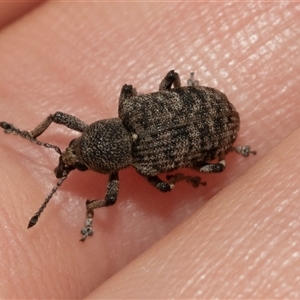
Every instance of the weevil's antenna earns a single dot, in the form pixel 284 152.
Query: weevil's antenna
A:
pixel 9 128
pixel 35 218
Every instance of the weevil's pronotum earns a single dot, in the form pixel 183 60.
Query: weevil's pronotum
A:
pixel 176 127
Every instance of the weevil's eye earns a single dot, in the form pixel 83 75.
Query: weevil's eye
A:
pixel 72 141
pixel 80 166
pixel 61 170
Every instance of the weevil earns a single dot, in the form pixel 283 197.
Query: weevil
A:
pixel 176 127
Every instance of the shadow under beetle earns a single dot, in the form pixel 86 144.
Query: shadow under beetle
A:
pixel 155 133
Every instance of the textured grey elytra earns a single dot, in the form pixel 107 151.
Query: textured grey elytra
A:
pixel 155 133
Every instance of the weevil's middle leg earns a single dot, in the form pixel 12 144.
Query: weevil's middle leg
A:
pixel 110 199
pixel 172 78
pixel 159 184
pixel 211 167
pixel 127 91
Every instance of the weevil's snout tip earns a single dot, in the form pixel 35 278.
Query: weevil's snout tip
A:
pixel 62 169
pixel 59 170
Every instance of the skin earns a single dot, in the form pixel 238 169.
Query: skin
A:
pixel 236 237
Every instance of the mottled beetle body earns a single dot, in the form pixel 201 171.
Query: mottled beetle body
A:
pixel 155 133
pixel 183 127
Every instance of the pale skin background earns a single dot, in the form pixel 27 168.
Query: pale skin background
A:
pixel 238 237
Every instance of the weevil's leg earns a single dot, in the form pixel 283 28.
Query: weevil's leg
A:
pixel 191 81
pixel 127 91
pixel 159 184
pixel 195 181
pixel 243 150
pixel 172 78
pixel 211 167
pixel 110 199
pixel 59 118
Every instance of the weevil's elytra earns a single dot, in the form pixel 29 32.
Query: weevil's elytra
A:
pixel 175 127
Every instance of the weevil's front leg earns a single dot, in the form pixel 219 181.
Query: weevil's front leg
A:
pixel 59 118
pixel 172 78
pixel 110 199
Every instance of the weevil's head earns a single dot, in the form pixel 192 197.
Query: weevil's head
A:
pixel 70 160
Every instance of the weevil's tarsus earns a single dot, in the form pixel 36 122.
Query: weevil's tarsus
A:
pixel 191 81
pixel 10 128
pixel 87 230
pixel 195 181
pixel 243 150
pixel 110 198
pixel 36 216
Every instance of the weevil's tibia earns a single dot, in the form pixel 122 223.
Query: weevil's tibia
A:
pixel 243 150
pixel 10 128
pixel 36 216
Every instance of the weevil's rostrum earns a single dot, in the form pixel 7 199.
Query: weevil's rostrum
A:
pixel 155 133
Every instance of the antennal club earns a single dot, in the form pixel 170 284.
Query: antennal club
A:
pixel 35 218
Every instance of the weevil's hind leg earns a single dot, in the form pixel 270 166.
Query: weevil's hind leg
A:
pixel 172 78
pixel 110 199
pixel 159 184
pixel 243 150
pixel 195 181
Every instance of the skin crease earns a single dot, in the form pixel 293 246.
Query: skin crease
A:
pixel 11 11
pixel 238 237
